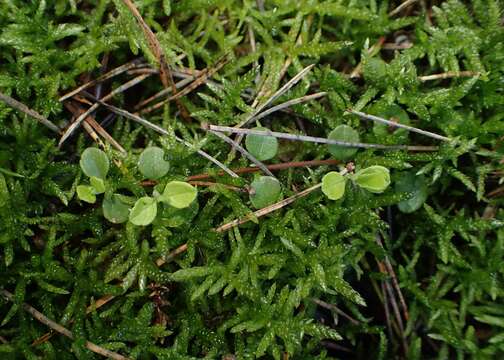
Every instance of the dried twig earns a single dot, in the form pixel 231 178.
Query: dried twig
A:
pixel 244 152
pixel 391 272
pixel 114 72
pixel 319 140
pixel 95 106
pixel 62 330
pixel 162 131
pixel 448 74
pixel 75 109
pixel 204 76
pixel 336 309
pixel 404 5
pixel 268 209
pixel 286 104
pixel 277 94
pixel 398 125
pixel 25 109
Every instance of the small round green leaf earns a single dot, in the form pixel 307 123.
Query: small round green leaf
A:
pixel 261 147
pixel 375 178
pixel 179 194
pixel 86 193
pixel 152 163
pixel 333 185
pixel 265 190
pixel 94 162
pixel 144 212
pixel 97 184
pixel 114 210
pixel 416 186
pixel 347 134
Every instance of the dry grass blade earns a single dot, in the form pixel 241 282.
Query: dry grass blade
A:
pixel 448 75
pixel 25 109
pixel 319 140
pixel 400 8
pixel 268 209
pixel 112 73
pixel 155 46
pixel 398 125
pixel 76 109
pixel 62 330
pixel 244 152
pixel 73 126
pixel 277 94
pixel 204 76
pixel 164 92
pixel 287 104
pixel 162 131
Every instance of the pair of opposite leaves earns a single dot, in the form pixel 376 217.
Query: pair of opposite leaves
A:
pixel 95 164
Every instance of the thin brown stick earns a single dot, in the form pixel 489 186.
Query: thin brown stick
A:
pixel 286 104
pixel 204 76
pixel 163 92
pixel 172 255
pixel 244 152
pixel 77 110
pixel 496 192
pixel 73 126
pixel 336 309
pixel 448 75
pixel 61 329
pixel 400 8
pixel 395 283
pixel 268 209
pixel 25 109
pixel 114 72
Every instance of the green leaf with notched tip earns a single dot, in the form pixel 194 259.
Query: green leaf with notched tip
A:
pixel 333 185
pixel 86 193
pixel 152 163
pixel 374 179
pixel 144 212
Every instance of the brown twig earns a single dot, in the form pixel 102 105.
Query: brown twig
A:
pixel 268 209
pixel 404 5
pixel 77 110
pixel 25 109
pixel 114 72
pixel 155 46
pixel 336 309
pixel 61 329
pixel 391 272
pixel 448 74
pixel 73 126
pixel 274 167
pixel 204 76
